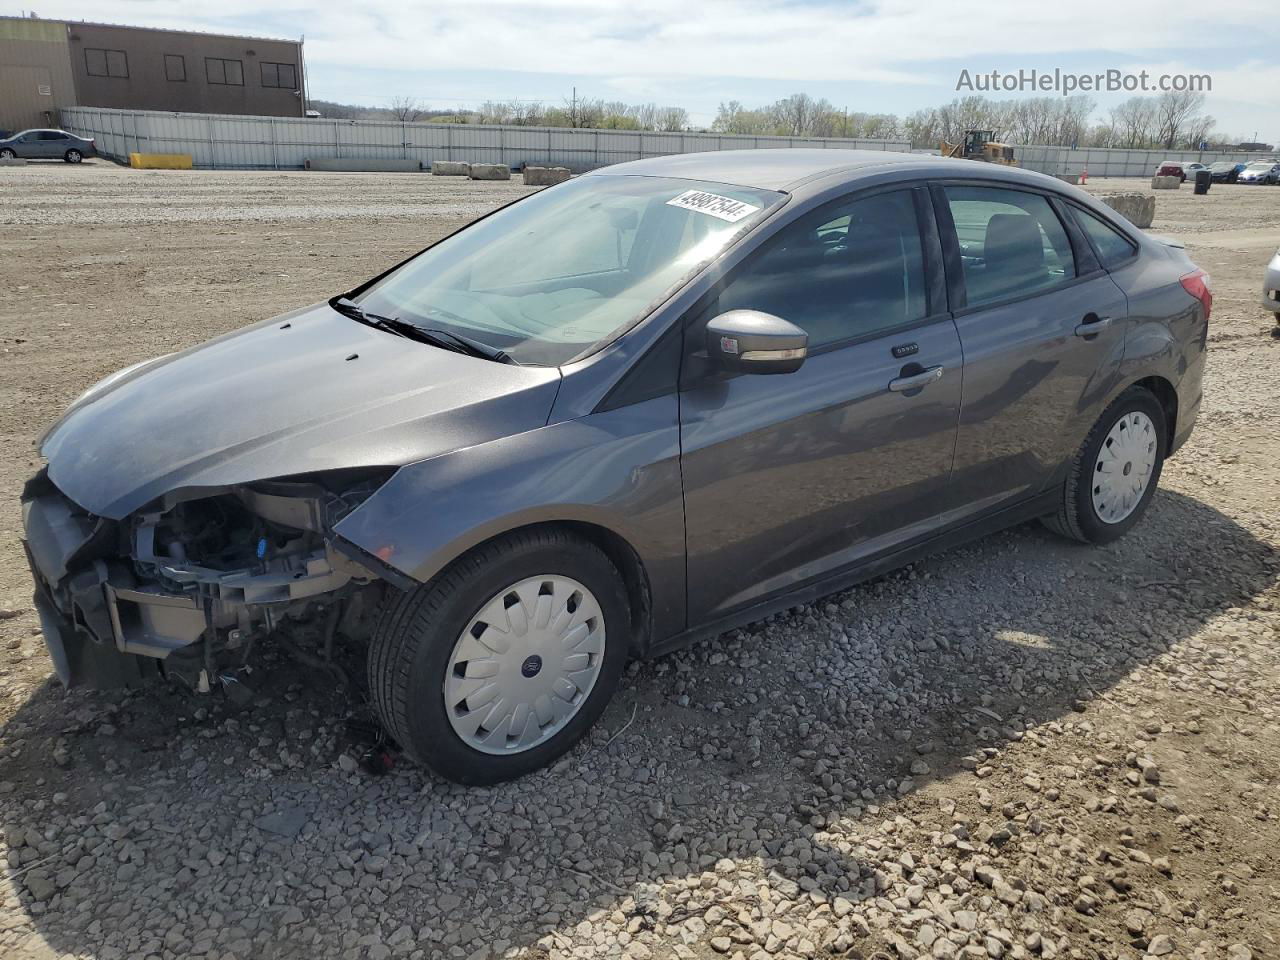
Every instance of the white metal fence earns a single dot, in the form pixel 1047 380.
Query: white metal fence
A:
pixel 1102 162
pixel 224 141
pixel 233 142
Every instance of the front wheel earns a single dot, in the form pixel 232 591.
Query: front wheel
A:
pixel 501 663
pixel 1114 474
pixel 73 156
pixel 7 154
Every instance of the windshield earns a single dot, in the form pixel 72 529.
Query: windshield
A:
pixel 1260 166
pixel 552 276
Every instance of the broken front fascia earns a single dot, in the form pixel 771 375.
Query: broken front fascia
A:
pixel 215 565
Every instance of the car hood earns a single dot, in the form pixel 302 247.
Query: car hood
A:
pixel 309 391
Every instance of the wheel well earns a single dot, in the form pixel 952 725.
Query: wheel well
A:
pixel 1168 397
pixel 625 560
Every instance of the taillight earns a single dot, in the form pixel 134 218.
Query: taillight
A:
pixel 1199 286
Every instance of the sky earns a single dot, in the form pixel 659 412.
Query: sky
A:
pixel 891 56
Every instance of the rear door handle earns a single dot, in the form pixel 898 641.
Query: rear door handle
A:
pixel 916 381
pixel 1093 325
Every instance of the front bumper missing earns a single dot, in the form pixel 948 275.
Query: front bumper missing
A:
pixel 105 627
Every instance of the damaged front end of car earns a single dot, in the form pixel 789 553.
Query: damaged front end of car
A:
pixel 186 585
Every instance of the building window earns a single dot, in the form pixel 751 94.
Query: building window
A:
pixel 105 63
pixel 175 67
pixel 224 72
pixel 279 75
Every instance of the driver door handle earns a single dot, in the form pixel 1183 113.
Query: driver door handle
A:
pixel 1093 325
pixel 916 381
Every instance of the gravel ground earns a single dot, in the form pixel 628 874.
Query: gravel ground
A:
pixel 1023 748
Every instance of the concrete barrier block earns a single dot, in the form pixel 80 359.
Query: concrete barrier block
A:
pixel 545 176
pixel 160 161
pixel 450 168
pixel 358 165
pixel 1138 208
pixel 15 162
pixel 1072 178
pixel 1166 183
pixel 490 171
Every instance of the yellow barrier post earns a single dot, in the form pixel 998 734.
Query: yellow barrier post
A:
pixel 160 161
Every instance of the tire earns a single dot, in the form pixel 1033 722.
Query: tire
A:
pixel 414 673
pixel 7 154
pixel 1078 518
pixel 73 156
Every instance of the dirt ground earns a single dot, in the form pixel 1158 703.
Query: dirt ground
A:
pixel 1022 748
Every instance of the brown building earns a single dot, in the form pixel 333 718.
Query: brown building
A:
pixel 49 64
pixel 35 73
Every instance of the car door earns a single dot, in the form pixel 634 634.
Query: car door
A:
pixel 1042 328
pixel 45 144
pixel 57 144
pixel 789 478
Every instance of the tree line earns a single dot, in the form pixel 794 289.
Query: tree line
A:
pixel 1175 120
pixel 586 112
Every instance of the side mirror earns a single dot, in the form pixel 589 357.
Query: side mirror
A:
pixel 749 341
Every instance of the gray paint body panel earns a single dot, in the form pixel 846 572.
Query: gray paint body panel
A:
pixel 619 470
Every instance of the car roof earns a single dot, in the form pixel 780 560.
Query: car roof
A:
pixel 785 169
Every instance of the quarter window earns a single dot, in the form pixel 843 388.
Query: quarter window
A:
pixel 175 67
pixel 848 270
pixel 1112 246
pixel 105 63
pixel 1011 243
pixel 281 75
pixel 224 72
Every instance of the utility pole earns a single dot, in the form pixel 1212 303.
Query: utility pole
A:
pixel 573 111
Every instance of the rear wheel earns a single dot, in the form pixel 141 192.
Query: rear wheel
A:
pixel 1114 474
pixel 501 663
pixel 7 154
pixel 73 156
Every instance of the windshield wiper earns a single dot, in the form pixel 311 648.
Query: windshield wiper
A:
pixel 467 345
pixel 403 328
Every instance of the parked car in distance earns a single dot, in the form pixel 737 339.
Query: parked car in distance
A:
pixel 47 145
pixel 1225 171
pixel 1189 170
pixel 1260 171
pixel 1172 168
pixel 645 406
pixel 1271 288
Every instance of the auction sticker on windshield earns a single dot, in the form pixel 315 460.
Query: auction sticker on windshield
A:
pixel 725 208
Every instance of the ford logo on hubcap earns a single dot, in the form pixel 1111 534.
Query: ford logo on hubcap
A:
pixel 531 666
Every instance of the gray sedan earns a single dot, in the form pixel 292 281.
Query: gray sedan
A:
pixel 642 407
pixel 47 145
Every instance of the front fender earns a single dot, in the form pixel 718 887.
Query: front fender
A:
pixel 618 470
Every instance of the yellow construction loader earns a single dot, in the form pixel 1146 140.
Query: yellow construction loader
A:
pixel 980 145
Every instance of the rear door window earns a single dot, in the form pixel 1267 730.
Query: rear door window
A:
pixel 1012 244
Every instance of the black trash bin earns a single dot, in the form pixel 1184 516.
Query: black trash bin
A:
pixel 1203 179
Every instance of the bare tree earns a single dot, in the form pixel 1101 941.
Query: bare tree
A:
pixel 1175 112
pixel 406 109
pixel 672 119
